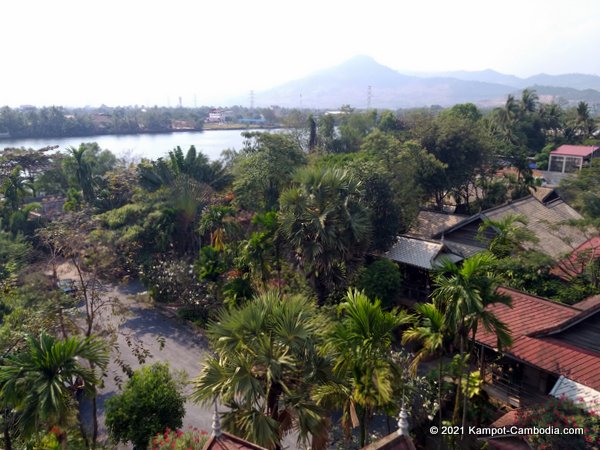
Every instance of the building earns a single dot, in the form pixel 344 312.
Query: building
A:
pixel 571 158
pixel 550 341
pixel 438 235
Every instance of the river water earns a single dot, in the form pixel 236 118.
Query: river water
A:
pixel 151 146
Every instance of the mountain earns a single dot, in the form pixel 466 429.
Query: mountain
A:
pixel 571 80
pixel 362 81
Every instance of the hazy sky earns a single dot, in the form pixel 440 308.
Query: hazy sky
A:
pixel 151 52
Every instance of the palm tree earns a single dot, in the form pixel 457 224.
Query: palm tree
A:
pixel 83 172
pixel 430 330
pixel 510 233
pixel 325 221
pixel 219 222
pixel 13 188
pixel 265 365
pixel 529 101
pixel 365 373
pixel 463 293
pixel 39 381
pixel 584 123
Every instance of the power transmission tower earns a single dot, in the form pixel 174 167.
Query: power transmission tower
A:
pixel 180 103
pixel 251 99
pixel 369 96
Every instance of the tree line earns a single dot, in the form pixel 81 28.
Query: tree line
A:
pixel 274 249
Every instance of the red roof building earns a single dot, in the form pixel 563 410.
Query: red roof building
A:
pixel 549 340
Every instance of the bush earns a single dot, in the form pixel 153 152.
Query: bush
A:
pixel 193 439
pixel 151 401
pixel 561 413
pixel 381 279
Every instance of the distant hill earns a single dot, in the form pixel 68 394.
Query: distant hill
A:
pixel 348 83
pixel 571 80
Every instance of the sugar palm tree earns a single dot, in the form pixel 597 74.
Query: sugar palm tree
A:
pixel 39 380
pixel 365 373
pixel 463 293
pixel 264 367
pixel 325 221
pixel 430 330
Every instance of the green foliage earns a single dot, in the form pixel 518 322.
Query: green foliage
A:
pixel 381 280
pixel 151 401
pixel 15 252
pixel 582 191
pixel 210 264
pixel 37 382
pixel 560 413
pixel 171 280
pixel 191 439
pixel 264 168
pixel 266 365
pixel 326 223
pixel 366 374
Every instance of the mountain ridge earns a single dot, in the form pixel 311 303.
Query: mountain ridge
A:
pixel 363 82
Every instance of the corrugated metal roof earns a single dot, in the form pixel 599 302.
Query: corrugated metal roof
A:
pixel 430 223
pixel 584 396
pixel 415 252
pixel 574 150
pixel 547 222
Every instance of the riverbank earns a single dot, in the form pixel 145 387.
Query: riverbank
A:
pixel 206 127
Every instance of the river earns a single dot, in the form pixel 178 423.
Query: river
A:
pixel 151 146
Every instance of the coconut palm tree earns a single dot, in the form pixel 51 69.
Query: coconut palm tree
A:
pixel 429 329
pixel 265 365
pixel 365 373
pixel 463 293
pixel 529 101
pixel 326 223
pixel 39 381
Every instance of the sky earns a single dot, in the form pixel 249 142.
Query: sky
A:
pixel 126 52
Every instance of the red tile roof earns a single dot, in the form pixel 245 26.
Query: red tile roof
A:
pixel 574 150
pixel 588 303
pixel 527 315
pixel 575 263
pixel 529 319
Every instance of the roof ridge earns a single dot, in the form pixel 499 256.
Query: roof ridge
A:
pixel 537 297
pixel 419 238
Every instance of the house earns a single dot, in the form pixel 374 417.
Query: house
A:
pixel 438 235
pixel 547 215
pixel 215 116
pixel 550 341
pixel 571 158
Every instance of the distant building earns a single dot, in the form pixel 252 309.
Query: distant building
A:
pixel 571 158
pixel 215 116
